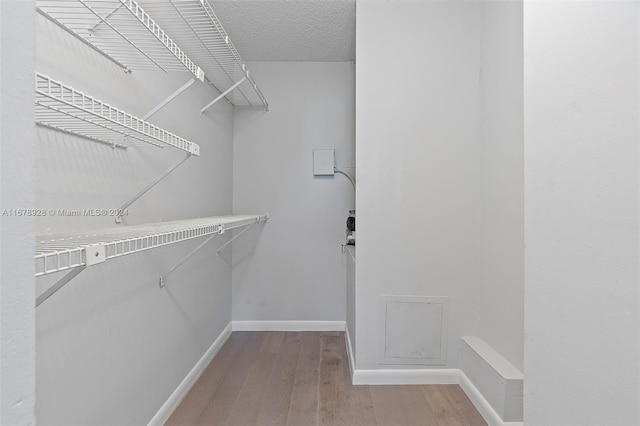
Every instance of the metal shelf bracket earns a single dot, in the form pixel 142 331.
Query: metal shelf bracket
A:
pixel 118 219
pixel 222 95
pixel 171 97
pixel 94 254
pixel 66 109
pixel 59 284
pixel 187 257
pixel 235 237
pixel 221 230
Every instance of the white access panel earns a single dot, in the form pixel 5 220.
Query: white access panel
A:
pixel 324 162
pixel 413 330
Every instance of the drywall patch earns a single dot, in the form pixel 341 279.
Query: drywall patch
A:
pixel 413 330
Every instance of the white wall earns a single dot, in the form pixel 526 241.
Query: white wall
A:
pixel 293 268
pixel 581 213
pixel 351 297
pixel 501 250
pixel 17 312
pixel 112 345
pixel 417 151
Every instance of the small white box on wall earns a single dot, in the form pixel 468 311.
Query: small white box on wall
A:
pixel 324 162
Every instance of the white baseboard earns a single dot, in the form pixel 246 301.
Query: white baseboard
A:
pixel 500 383
pixel 482 405
pixel 289 325
pixel 451 376
pixel 176 397
pixel 351 359
pixel 358 377
pixel 406 377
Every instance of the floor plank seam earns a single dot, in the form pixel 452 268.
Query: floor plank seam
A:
pixel 303 379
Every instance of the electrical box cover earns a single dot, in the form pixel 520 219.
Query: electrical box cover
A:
pixel 323 162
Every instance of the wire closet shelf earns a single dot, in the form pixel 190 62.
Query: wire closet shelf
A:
pixel 56 253
pixel 64 108
pixel 195 27
pixel 124 31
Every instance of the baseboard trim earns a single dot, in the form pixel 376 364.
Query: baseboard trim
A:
pixel 451 376
pixel 289 325
pixel 351 359
pixel 181 391
pixel 482 405
pixel 494 377
pixel 358 377
pixel 406 377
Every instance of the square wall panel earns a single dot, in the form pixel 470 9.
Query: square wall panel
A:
pixel 413 330
pixel 324 162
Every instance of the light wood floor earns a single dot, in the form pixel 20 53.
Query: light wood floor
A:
pixel 302 379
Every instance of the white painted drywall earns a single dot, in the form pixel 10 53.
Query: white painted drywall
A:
pixel 581 213
pixel 17 311
pixel 417 157
pixel 351 297
pixel 112 346
pixel 293 268
pixel 501 248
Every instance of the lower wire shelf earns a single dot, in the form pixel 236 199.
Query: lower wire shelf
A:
pixel 55 253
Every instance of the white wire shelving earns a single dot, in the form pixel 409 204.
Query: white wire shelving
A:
pixel 64 108
pixel 122 31
pixel 55 253
pixel 194 26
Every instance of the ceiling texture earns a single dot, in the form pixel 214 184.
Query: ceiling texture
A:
pixel 290 30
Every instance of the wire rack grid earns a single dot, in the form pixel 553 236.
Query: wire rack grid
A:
pixel 64 108
pixel 194 25
pixel 56 253
pixel 121 30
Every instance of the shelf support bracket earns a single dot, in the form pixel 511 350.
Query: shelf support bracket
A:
pixel 187 257
pixel 222 95
pixel 59 284
pixel 235 237
pixel 169 99
pixel 143 191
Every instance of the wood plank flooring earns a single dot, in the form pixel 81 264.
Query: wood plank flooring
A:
pixel 303 379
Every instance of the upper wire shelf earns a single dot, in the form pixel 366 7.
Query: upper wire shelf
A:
pixel 121 30
pixel 56 253
pixel 195 27
pixel 64 108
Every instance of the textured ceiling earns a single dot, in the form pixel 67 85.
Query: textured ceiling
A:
pixel 290 30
